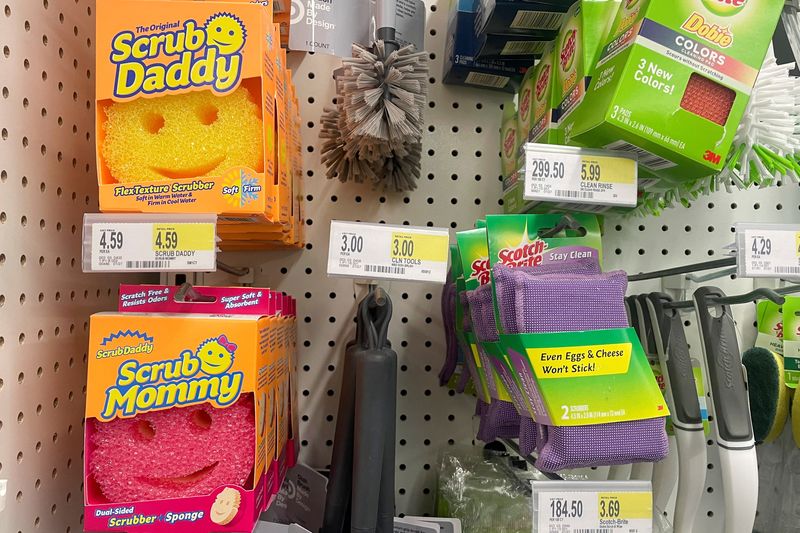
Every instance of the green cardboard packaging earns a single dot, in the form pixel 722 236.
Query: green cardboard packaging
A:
pixel 509 140
pixel 659 58
pixel 577 48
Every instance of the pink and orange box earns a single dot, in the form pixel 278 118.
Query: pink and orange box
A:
pixel 160 374
pixel 151 49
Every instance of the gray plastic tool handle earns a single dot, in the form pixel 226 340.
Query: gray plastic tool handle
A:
pixel 686 406
pixel 385 19
pixel 373 379
pixel 725 371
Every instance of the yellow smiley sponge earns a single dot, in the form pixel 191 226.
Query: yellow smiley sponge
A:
pixel 188 135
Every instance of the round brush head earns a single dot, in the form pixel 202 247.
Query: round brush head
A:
pixel 769 397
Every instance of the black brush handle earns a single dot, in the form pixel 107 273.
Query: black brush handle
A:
pixel 725 372
pixel 386 503
pixel 686 406
pixel 647 325
pixel 341 474
pixel 373 379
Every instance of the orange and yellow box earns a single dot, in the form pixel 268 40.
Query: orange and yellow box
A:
pixel 190 109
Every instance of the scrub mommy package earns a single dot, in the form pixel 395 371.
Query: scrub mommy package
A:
pixel 183 413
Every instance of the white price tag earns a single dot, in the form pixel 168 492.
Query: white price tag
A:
pixel 153 246
pixel 560 174
pixel 768 252
pixel 380 251
pixel 594 512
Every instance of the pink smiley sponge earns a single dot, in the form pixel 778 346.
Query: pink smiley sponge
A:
pixel 179 452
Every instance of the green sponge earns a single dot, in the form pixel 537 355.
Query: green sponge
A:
pixel 769 397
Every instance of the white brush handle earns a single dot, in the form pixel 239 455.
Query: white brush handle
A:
pixel 740 485
pixel 620 472
pixel 385 17
pixel 642 471
pixel 665 475
pixel 692 460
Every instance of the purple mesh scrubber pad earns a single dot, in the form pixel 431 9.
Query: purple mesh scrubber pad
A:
pixel 500 419
pixel 529 430
pixel 528 434
pixel 506 292
pixel 451 344
pixel 574 302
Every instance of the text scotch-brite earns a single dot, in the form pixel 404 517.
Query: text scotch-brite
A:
pixel 673 80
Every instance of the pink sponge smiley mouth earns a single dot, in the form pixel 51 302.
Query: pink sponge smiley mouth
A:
pixel 194 477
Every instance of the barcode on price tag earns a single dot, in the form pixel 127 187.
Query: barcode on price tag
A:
pixel 768 250
pixel 381 251
pixel 148 245
pixel 593 507
pixel 597 177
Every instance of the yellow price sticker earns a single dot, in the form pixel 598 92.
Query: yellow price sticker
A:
pixel 419 246
pixel 797 243
pixel 625 505
pixel 604 169
pixel 183 237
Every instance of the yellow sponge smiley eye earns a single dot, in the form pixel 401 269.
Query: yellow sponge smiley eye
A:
pixel 182 136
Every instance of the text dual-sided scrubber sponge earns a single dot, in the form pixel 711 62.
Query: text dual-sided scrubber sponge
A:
pixel 175 453
pixel 189 135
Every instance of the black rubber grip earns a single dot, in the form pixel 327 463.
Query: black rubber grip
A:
pixel 647 326
pixel 686 406
pixel 726 375
pixel 630 301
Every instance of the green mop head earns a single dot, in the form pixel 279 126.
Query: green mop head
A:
pixel 374 133
pixel 769 397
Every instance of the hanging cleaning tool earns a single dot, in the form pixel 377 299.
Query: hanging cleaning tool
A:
pixel 733 429
pixel 374 133
pixel 665 472
pixel 643 470
pixel 361 487
pixel 687 422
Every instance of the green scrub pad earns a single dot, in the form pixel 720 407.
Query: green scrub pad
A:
pixel 769 397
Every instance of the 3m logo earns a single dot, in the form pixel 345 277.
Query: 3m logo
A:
pixel 725 8
pixel 712 157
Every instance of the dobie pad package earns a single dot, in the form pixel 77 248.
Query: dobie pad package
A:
pixel 187 409
pixel 672 82
pixel 153 139
pixel 184 451
pixel 191 109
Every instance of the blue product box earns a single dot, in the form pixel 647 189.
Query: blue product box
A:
pixel 461 67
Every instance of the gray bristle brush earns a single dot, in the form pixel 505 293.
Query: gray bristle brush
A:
pixel 374 132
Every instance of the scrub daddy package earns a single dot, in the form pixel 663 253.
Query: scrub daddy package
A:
pixel 673 80
pixel 186 108
pixel 183 411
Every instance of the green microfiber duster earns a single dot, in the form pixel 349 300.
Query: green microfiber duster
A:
pixel 769 397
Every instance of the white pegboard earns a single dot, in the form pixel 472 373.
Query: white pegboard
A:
pixel 460 182
pixel 47 182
